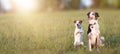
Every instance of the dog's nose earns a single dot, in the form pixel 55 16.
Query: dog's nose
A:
pixel 77 24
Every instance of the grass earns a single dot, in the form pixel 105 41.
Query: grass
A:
pixel 52 33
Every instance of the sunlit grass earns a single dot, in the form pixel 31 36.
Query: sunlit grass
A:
pixel 52 33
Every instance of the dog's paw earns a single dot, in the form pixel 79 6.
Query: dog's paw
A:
pixel 90 50
pixel 82 43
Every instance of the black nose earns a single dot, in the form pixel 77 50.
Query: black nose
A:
pixel 77 24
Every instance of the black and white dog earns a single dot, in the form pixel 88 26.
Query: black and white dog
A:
pixel 93 31
pixel 78 33
pixel 93 18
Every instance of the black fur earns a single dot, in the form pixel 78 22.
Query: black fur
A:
pixel 88 14
pixel 89 30
pixel 96 14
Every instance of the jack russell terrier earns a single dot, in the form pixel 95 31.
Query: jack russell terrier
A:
pixel 93 31
pixel 78 33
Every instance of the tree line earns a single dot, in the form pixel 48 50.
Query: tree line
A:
pixel 75 4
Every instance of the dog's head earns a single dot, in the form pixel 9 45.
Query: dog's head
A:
pixel 78 23
pixel 93 15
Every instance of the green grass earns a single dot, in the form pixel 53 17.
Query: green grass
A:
pixel 52 33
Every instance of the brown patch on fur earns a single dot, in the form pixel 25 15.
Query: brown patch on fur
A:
pixel 80 21
pixel 74 21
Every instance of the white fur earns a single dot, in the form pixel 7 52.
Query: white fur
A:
pixel 78 35
pixel 95 32
pixel 91 14
pixel 93 35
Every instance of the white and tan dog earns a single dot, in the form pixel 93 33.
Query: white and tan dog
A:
pixel 78 33
pixel 93 37
pixel 93 31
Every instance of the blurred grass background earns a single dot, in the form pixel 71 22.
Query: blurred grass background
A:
pixel 52 33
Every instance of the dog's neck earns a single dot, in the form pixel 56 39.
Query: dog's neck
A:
pixel 93 30
pixel 93 21
pixel 78 27
pixel 78 30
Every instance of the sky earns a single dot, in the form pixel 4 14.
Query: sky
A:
pixel 6 4
pixel 86 3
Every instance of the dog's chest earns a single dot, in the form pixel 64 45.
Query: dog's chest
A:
pixel 78 31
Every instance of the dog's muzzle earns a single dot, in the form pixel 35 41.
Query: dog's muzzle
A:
pixel 78 25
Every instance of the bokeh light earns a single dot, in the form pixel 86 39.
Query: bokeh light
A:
pixel 24 6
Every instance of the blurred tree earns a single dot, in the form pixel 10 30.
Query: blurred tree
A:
pixel 50 5
pixel 64 4
pixel 47 4
pixel 60 5
pixel 75 4
pixel 103 3
pixel 110 3
pixel 96 3
pixel 119 4
pixel 116 3
pixel 54 4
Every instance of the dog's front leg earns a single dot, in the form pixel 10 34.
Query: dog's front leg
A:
pixel 89 44
pixel 98 42
pixel 75 43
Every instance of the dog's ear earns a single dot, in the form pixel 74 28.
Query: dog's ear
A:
pixel 74 21
pixel 96 14
pixel 80 21
pixel 88 14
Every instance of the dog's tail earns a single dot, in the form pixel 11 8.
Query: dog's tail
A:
pixel 102 39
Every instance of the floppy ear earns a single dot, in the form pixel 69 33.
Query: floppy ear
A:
pixel 96 14
pixel 80 21
pixel 88 14
pixel 74 21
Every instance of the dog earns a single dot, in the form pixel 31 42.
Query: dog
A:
pixel 94 39
pixel 92 18
pixel 78 33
